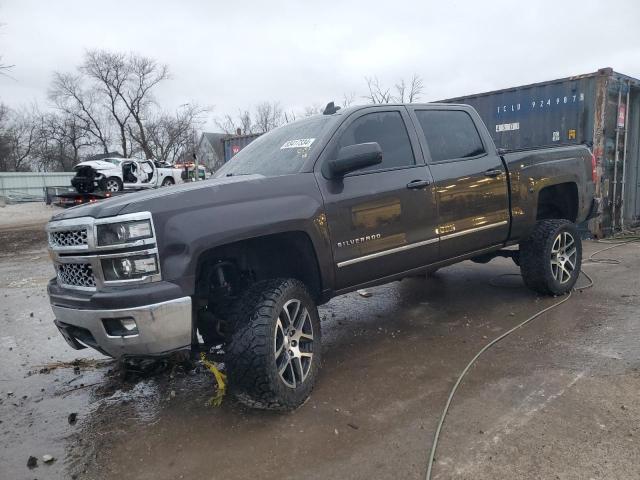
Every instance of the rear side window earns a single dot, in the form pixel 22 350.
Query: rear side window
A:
pixel 450 134
pixel 386 128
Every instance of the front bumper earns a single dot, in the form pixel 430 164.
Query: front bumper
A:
pixel 162 328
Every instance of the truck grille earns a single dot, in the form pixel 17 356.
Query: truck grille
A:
pixel 68 238
pixel 76 275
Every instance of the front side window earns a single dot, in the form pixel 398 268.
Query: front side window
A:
pixel 450 134
pixel 386 128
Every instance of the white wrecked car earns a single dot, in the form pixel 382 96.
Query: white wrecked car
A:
pixel 116 174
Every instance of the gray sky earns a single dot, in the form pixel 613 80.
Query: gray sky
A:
pixel 233 55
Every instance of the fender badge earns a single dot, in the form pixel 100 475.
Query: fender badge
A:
pixel 357 241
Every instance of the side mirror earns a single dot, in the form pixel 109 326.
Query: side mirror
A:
pixel 355 157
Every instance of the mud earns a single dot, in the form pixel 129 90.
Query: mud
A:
pixel 558 399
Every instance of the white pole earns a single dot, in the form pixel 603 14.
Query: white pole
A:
pixel 624 157
pixel 615 165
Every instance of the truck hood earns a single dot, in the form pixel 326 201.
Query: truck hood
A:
pixel 96 165
pixel 186 195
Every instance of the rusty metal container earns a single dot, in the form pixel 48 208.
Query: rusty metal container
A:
pixel 234 144
pixel 600 109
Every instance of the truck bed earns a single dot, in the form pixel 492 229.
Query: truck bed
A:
pixel 566 168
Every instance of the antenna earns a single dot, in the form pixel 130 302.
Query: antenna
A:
pixel 330 109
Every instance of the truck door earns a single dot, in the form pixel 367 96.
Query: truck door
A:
pixel 381 218
pixel 130 170
pixel 148 174
pixel 470 180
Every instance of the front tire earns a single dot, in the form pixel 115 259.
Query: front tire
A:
pixel 167 182
pixel 550 259
pixel 273 356
pixel 113 184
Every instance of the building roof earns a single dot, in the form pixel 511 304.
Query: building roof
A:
pixel 215 139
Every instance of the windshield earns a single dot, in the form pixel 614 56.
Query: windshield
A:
pixel 280 152
pixel 115 161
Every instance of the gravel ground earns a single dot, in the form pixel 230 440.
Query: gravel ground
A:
pixel 25 215
pixel 556 400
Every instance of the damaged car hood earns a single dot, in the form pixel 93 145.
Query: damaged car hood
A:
pixel 96 165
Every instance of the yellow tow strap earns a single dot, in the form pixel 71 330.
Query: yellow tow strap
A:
pixel 221 380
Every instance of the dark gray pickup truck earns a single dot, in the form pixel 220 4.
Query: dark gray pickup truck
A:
pixel 314 209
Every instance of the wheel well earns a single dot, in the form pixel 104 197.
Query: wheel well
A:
pixel 226 271
pixel 558 201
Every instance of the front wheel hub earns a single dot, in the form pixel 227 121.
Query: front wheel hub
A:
pixel 293 349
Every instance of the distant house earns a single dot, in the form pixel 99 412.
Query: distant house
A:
pixel 210 150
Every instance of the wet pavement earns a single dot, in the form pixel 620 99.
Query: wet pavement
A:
pixel 558 399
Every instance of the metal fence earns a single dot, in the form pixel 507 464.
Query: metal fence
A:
pixel 30 186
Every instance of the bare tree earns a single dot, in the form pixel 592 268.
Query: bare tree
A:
pixel 125 84
pixel 109 73
pixel 267 116
pixel 404 92
pixel 4 115
pixel 314 109
pixel 144 74
pixel 172 136
pixel 3 66
pixel 230 125
pixel 409 93
pixel 290 116
pixel 4 138
pixel 22 137
pixel 377 92
pixel 62 138
pixel 348 99
pixel 73 100
pixel 246 124
pixel 417 86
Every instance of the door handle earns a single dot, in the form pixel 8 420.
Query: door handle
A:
pixel 417 184
pixel 493 172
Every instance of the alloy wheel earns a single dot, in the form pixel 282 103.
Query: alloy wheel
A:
pixel 293 343
pixel 563 257
pixel 112 186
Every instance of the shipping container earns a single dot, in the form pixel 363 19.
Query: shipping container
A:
pixel 234 144
pixel 600 109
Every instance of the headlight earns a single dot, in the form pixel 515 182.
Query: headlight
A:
pixel 129 268
pixel 123 232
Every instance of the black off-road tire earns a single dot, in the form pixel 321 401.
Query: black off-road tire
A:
pixel 250 355
pixel 536 254
pixel 167 182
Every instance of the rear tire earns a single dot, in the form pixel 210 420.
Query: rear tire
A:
pixel 167 182
pixel 273 356
pixel 550 259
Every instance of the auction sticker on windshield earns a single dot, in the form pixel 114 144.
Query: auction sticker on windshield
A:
pixel 300 143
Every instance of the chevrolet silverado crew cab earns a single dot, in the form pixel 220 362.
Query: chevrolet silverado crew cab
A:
pixel 323 206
